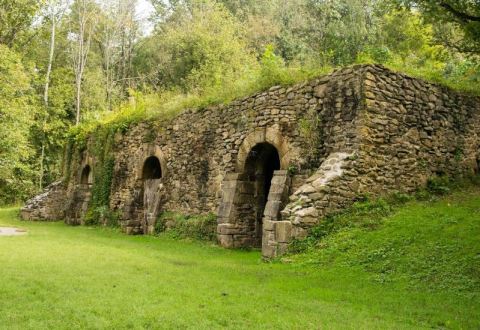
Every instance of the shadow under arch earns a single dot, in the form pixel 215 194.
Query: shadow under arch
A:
pixel 152 169
pixel 86 177
pixel 261 163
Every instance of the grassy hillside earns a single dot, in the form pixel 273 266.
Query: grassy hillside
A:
pixel 432 244
pixel 409 267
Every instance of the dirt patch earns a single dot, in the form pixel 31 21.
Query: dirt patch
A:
pixel 9 231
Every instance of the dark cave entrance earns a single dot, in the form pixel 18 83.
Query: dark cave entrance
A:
pixel 262 160
pixel 152 169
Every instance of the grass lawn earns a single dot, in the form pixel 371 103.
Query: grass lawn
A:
pixel 61 277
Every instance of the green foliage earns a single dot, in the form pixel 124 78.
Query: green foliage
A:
pixel 365 214
pixel 17 109
pixel 98 211
pixel 201 50
pixel 407 43
pixel 439 185
pixel 460 20
pixel 16 16
pixel 199 227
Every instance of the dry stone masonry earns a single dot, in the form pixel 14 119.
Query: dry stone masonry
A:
pixel 274 164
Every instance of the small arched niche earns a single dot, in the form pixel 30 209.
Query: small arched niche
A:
pixel 86 177
pixel 152 169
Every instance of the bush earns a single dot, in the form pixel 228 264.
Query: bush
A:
pixel 439 185
pixel 199 227
pixel 101 215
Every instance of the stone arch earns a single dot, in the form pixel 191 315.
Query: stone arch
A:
pixel 255 191
pixel 86 177
pixel 270 135
pixel 151 154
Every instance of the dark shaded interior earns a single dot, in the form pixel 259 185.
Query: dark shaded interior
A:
pixel 261 162
pixel 152 168
pixel 85 178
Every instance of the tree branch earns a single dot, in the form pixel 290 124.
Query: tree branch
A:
pixel 464 17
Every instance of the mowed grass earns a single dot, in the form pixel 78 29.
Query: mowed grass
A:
pixel 61 277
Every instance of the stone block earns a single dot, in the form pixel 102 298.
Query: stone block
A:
pixel 275 196
pixel 225 241
pixel 269 251
pixel 242 241
pixel 307 212
pixel 229 229
pixel 283 231
pixel 224 209
pixel 272 209
pixel 299 232
pixel 268 225
pixel 281 248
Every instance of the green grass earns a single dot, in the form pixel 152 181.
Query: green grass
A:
pixel 61 277
pixel 433 245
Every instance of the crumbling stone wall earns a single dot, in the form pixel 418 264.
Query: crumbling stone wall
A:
pixel 48 206
pixel 362 129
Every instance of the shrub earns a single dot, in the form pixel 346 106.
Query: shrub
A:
pixel 199 227
pixel 439 185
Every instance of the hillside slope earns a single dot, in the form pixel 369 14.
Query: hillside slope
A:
pixel 432 244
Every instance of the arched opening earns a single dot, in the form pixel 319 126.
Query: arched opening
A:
pixel 262 160
pixel 151 185
pixel 86 177
pixel 152 169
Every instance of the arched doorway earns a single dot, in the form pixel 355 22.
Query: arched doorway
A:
pixel 152 187
pixel 253 196
pixel 86 175
pixel 262 160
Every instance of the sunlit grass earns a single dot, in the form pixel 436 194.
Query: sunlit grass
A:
pixel 59 277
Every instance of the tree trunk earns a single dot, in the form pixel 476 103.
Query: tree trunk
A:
pixel 45 97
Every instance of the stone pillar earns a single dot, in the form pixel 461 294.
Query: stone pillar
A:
pixel 276 233
pixel 236 223
pixel 151 204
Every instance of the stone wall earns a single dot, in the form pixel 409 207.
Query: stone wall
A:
pixel 273 164
pixel 408 131
pixel 48 206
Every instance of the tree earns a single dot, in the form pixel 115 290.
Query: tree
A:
pixel 17 109
pixel 16 17
pixel 199 46
pixel 85 13
pixel 54 11
pixel 463 15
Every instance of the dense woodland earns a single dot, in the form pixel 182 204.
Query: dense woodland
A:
pixel 68 65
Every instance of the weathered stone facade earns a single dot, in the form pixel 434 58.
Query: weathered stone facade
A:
pixel 273 164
